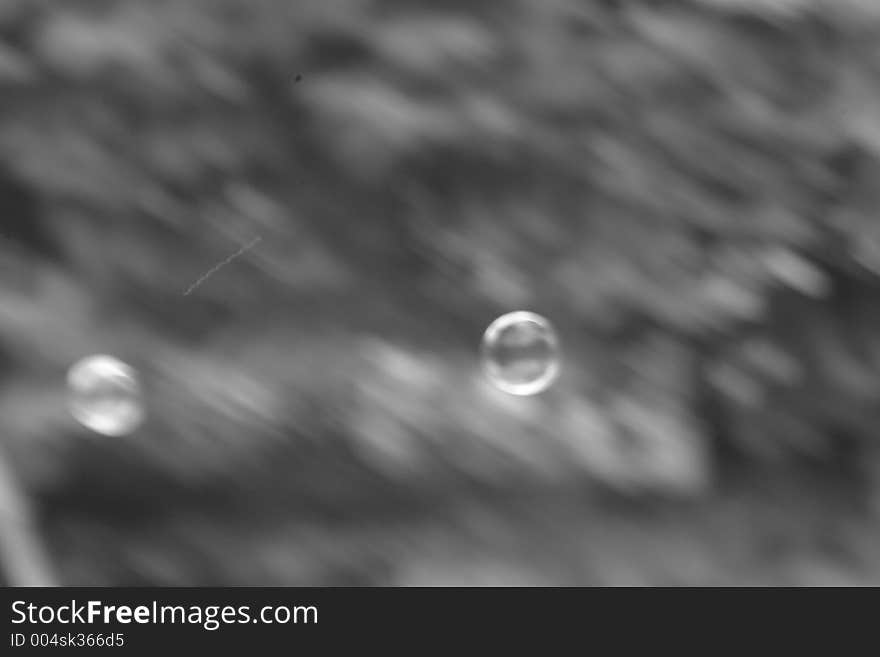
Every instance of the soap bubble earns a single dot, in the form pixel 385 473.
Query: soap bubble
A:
pixel 520 353
pixel 105 395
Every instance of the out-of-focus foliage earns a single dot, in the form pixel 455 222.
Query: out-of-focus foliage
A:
pixel 686 189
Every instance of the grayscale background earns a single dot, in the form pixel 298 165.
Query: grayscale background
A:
pixel 688 190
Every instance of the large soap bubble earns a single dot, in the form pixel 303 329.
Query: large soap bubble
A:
pixel 105 395
pixel 520 353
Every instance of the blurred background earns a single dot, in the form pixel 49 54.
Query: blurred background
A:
pixel 687 190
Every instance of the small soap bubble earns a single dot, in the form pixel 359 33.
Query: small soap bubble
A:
pixel 105 395
pixel 520 353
